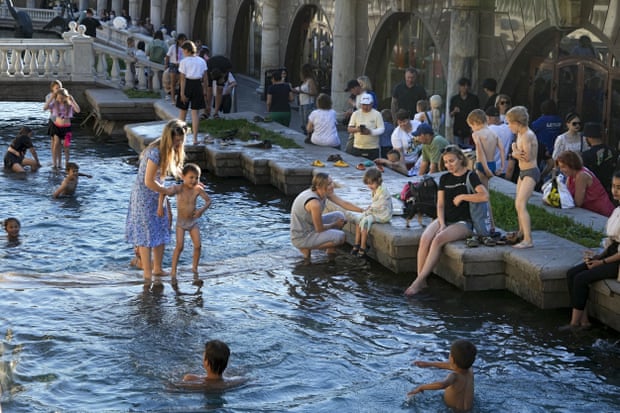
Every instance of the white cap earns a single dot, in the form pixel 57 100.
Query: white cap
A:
pixel 366 99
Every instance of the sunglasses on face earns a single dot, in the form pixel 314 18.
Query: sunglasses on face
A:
pixel 576 123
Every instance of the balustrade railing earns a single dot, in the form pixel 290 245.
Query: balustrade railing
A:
pixel 35 59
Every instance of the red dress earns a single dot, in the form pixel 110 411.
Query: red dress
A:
pixel 596 198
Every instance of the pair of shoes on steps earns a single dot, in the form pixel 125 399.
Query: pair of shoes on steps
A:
pixel 363 252
pixel 355 250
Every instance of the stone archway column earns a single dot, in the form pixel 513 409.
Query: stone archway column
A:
pixel 219 35
pixel 183 17
pixel 270 45
pixel 343 52
pixel 83 5
pixel 463 51
pixel 101 6
pixel 117 7
pixel 134 11
pixel 156 14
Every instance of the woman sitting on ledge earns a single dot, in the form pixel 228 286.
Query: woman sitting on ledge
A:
pixel 595 267
pixel 453 219
pixel 583 185
pixel 310 228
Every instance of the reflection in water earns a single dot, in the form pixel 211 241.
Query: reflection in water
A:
pixel 80 333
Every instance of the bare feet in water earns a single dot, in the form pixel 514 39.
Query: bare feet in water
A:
pixel 415 288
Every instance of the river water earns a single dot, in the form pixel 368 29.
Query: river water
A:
pixel 78 333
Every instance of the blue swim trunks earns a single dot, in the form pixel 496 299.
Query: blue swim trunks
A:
pixel 491 165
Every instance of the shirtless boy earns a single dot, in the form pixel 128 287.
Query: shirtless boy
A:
pixel 70 183
pixel 214 361
pixel 524 150
pixel 187 216
pixel 459 384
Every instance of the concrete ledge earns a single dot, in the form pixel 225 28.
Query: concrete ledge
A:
pixel 604 302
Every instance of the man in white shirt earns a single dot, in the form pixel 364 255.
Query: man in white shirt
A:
pixel 367 126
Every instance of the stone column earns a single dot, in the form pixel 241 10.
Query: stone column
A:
pixel 184 17
pixel 101 6
pixel 343 67
pixel 31 4
pixel 134 11
pixel 463 51
pixel 219 36
pixel 83 59
pixel 156 13
pixel 83 5
pixel 117 7
pixel 270 46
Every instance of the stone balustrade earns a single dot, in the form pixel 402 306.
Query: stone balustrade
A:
pixel 35 58
pixel 36 15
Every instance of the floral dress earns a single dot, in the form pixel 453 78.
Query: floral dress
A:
pixel 143 227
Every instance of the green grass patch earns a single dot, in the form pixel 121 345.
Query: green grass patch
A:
pixel 218 127
pixel 138 94
pixel 505 217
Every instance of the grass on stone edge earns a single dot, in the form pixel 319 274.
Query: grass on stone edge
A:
pixel 217 127
pixel 137 94
pixel 505 217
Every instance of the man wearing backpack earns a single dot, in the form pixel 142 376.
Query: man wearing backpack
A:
pixel 600 158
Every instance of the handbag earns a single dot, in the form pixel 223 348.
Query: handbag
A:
pixel 479 212
pixel 556 193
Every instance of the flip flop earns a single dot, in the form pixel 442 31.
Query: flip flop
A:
pixel 360 166
pixel 341 164
pixel 318 164
pixel 379 167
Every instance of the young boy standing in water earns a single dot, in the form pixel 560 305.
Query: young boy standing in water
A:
pixel 187 216
pixel 459 384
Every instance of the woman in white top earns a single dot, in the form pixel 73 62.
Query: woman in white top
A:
pixel 571 140
pixel 322 123
pixel 401 139
pixel 307 93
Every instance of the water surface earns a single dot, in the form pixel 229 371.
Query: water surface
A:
pixel 78 333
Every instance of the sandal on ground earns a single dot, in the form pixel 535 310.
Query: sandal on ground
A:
pixel 355 250
pixel 379 167
pixel 341 164
pixel 523 245
pixel 489 242
pixel 204 116
pixel 472 242
pixel 334 158
pixel 363 253
pixel 514 237
pixel 318 164
pixel 360 166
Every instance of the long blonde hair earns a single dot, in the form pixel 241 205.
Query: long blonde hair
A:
pixel 436 102
pixel 170 159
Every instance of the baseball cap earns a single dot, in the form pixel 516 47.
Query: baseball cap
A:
pixel 592 130
pixel 366 99
pixel 423 129
pixel 351 84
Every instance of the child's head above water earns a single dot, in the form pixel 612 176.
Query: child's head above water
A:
pixel 216 355
pixel 73 167
pixel 12 227
pixel 463 353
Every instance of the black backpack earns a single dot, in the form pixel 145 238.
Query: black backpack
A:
pixel 420 197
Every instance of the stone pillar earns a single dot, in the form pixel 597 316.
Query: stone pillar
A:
pixel 343 67
pixel 117 7
pixel 184 17
pixel 83 5
pixel 219 36
pixel 83 58
pixel 463 51
pixel 101 6
pixel 134 11
pixel 270 46
pixel 31 4
pixel 156 14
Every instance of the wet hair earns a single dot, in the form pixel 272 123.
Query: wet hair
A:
pixel 395 153
pixel 463 353
pixel 570 116
pixel 7 221
pixel 373 175
pixel 477 116
pixel 422 105
pixel 403 114
pixel 364 82
pixel 386 114
pixel 191 167
pixel 24 130
pixel 548 107
pixel 464 82
pixel 519 115
pixel 320 180
pixel 72 166
pixel 570 159
pixel 217 353
pixel 324 101
pixel 189 46
pixel 170 158
pixel 458 152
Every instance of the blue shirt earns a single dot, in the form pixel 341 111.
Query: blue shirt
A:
pixel 547 128
pixel 386 137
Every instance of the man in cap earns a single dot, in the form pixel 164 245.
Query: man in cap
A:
pixel 366 125
pixel 600 158
pixel 407 93
pixel 432 148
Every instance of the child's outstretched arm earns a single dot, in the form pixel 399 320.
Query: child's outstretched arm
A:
pixel 438 364
pixel 438 385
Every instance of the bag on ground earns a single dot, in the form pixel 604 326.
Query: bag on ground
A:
pixel 420 197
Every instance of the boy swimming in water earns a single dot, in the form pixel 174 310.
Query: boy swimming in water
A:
pixel 459 384
pixel 69 184
pixel 215 361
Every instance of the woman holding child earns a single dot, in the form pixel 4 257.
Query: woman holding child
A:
pixel 453 218
pixel 595 266
pixel 310 228
pixel 144 227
